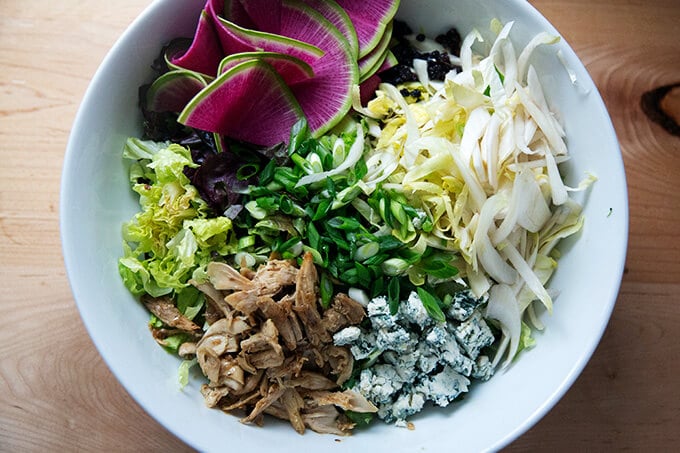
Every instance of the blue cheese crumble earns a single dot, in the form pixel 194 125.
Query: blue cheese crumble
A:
pixel 464 304
pixel 409 359
pixel 473 334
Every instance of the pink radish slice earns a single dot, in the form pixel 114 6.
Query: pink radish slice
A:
pixel 230 42
pixel 234 11
pixel 265 15
pixel 232 35
pixel 370 63
pixel 337 16
pixel 367 87
pixel 327 97
pixel 370 19
pixel 205 53
pixel 249 102
pixel 173 90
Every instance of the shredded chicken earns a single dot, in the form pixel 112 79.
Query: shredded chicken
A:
pixel 223 276
pixel 324 419
pixel 347 400
pixel 344 312
pixel 174 322
pixel 165 310
pixel 341 362
pixel 306 299
pixel 269 348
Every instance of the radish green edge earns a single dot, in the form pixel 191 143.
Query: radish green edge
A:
pixel 264 55
pixel 353 39
pixel 174 67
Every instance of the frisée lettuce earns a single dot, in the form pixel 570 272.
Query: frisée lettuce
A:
pixel 171 238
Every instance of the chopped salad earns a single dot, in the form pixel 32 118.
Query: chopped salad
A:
pixel 329 262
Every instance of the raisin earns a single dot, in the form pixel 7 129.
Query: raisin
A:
pixel 438 64
pixel 398 74
pixel 450 40
pixel 404 53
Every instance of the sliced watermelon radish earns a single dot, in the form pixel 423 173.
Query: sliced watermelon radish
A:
pixel 205 52
pixel 229 42
pixel 264 14
pixel 390 62
pixel 173 90
pixel 291 69
pixel 365 73
pixel 327 97
pixel 249 102
pixel 370 63
pixel 258 41
pixel 175 49
pixel 338 17
pixel 370 18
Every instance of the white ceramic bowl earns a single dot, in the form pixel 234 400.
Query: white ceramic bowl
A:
pixel 96 199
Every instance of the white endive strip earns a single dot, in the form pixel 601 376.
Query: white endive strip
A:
pixel 500 39
pixel 523 60
pixel 503 307
pixel 420 66
pixel 356 104
pixel 544 122
pixel 489 149
pixel 506 142
pixel 557 189
pixel 519 128
pixel 466 49
pixel 530 131
pixel 527 274
pixel 487 255
pixel 412 131
pixel 536 91
pixel 510 67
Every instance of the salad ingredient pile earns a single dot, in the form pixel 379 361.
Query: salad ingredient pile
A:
pixel 340 217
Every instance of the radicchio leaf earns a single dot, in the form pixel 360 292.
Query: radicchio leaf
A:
pixel 217 182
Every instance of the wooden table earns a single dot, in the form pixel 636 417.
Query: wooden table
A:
pixel 56 393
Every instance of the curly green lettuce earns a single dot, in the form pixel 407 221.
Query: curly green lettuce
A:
pixel 171 239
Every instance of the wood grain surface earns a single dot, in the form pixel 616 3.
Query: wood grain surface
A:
pixel 56 393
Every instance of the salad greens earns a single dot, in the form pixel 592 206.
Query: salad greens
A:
pixel 358 240
pixel 172 237
pixel 324 204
